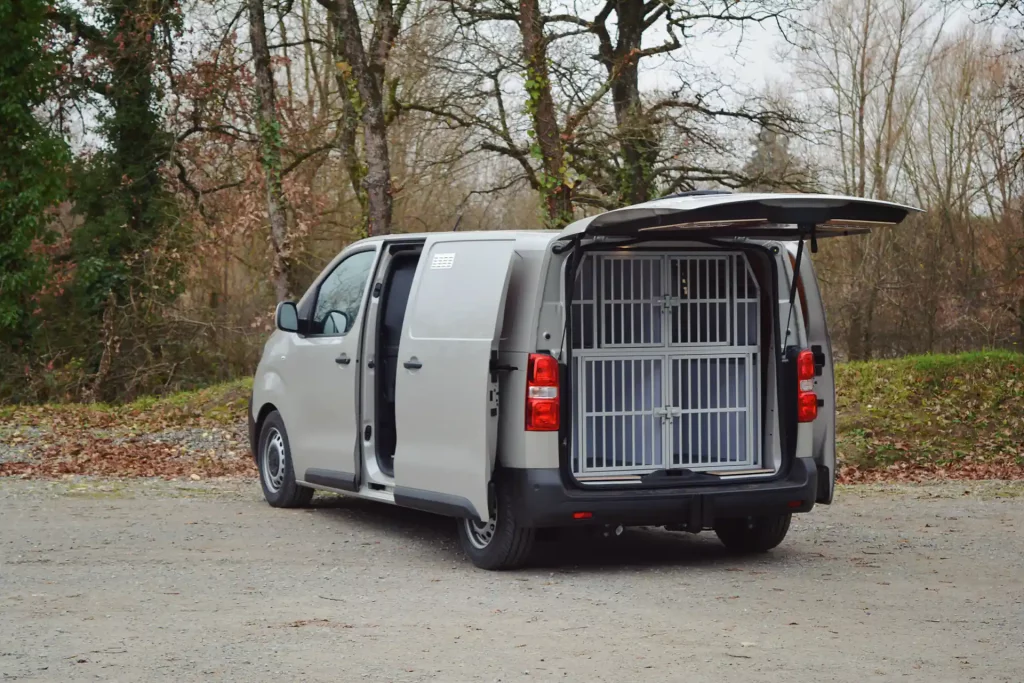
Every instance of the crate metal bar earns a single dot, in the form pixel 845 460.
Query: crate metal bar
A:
pixel 730 406
pixel 699 402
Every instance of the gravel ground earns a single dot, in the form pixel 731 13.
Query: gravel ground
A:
pixel 20 445
pixel 149 580
pixel 198 441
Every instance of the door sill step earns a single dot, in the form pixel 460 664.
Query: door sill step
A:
pixel 634 478
pixel 740 473
pixel 608 477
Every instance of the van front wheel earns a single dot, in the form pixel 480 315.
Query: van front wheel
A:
pixel 753 534
pixel 277 476
pixel 499 542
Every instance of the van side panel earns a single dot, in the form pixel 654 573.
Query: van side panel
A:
pixel 824 438
pixel 518 448
pixel 529 265
pixel 797 332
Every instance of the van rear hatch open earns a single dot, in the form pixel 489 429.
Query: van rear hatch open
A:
pixel 758 216
pixel 671 348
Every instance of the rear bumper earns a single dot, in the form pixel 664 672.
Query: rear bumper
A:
pixel 544 500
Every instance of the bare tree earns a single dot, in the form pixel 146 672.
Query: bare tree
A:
pixel 865 63
pixel 557 193
pixel 621 50
pixel 367 65
pixel 269 128
pixel 593 137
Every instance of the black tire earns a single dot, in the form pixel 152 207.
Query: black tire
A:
pixel 509 545
pixel 753 534
pixel 274 461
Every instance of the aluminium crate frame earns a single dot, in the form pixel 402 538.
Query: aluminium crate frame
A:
pixel 639 358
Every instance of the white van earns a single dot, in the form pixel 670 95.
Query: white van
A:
pixel 653 365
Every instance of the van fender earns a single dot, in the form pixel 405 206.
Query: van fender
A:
pixel 269 389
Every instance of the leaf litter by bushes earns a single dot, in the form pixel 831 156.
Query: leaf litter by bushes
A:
pixel 197 434
pixel 910 419
pixel 136 457
pixel 1001 468
pixel 931 417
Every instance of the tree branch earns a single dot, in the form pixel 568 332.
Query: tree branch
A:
pixel 75 25
pixel 309 153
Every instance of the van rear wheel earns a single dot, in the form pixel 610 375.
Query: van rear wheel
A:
pixel 753 534
pixel 499 542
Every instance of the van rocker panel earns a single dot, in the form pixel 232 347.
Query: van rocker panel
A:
pixel 344 481
pixel 544 500
pixel 434 502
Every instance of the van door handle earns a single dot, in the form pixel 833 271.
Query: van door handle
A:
pixel 413 364
pixel 343 359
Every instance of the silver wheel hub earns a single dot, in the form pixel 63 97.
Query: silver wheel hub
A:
pixel 272 464
pixel 481 533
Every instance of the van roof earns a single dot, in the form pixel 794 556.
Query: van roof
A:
pixel 542 236
pixel 466 233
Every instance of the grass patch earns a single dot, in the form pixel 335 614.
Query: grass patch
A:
pixel 943 411
pixel 220 405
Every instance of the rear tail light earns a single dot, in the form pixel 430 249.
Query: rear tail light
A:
pixel 543 413
pixel 806 399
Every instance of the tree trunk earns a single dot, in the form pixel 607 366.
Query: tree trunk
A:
pixel 855 334
pixel 862 96
pixel 110 345
pixel 1020 322
pixel 555 193
pixel 368 76
pixel 378 170
pixel 636 137
pixel 348 122
pixel 869 325
pixel 270 151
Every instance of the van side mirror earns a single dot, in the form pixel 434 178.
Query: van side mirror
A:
pixel 287 317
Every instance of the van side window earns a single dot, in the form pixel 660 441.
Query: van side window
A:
pixel 341 294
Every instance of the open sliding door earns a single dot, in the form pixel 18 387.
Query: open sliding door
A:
pixel 446 402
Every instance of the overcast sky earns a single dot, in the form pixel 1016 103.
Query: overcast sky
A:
pixel 748 56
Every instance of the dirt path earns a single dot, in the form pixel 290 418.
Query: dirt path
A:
pixel 158 581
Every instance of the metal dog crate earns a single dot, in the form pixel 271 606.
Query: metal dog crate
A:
pixel 665 363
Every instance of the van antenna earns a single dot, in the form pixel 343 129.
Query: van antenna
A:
pixel 458 219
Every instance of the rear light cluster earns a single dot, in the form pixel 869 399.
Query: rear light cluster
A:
pixel 806 399
pixel 543 412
